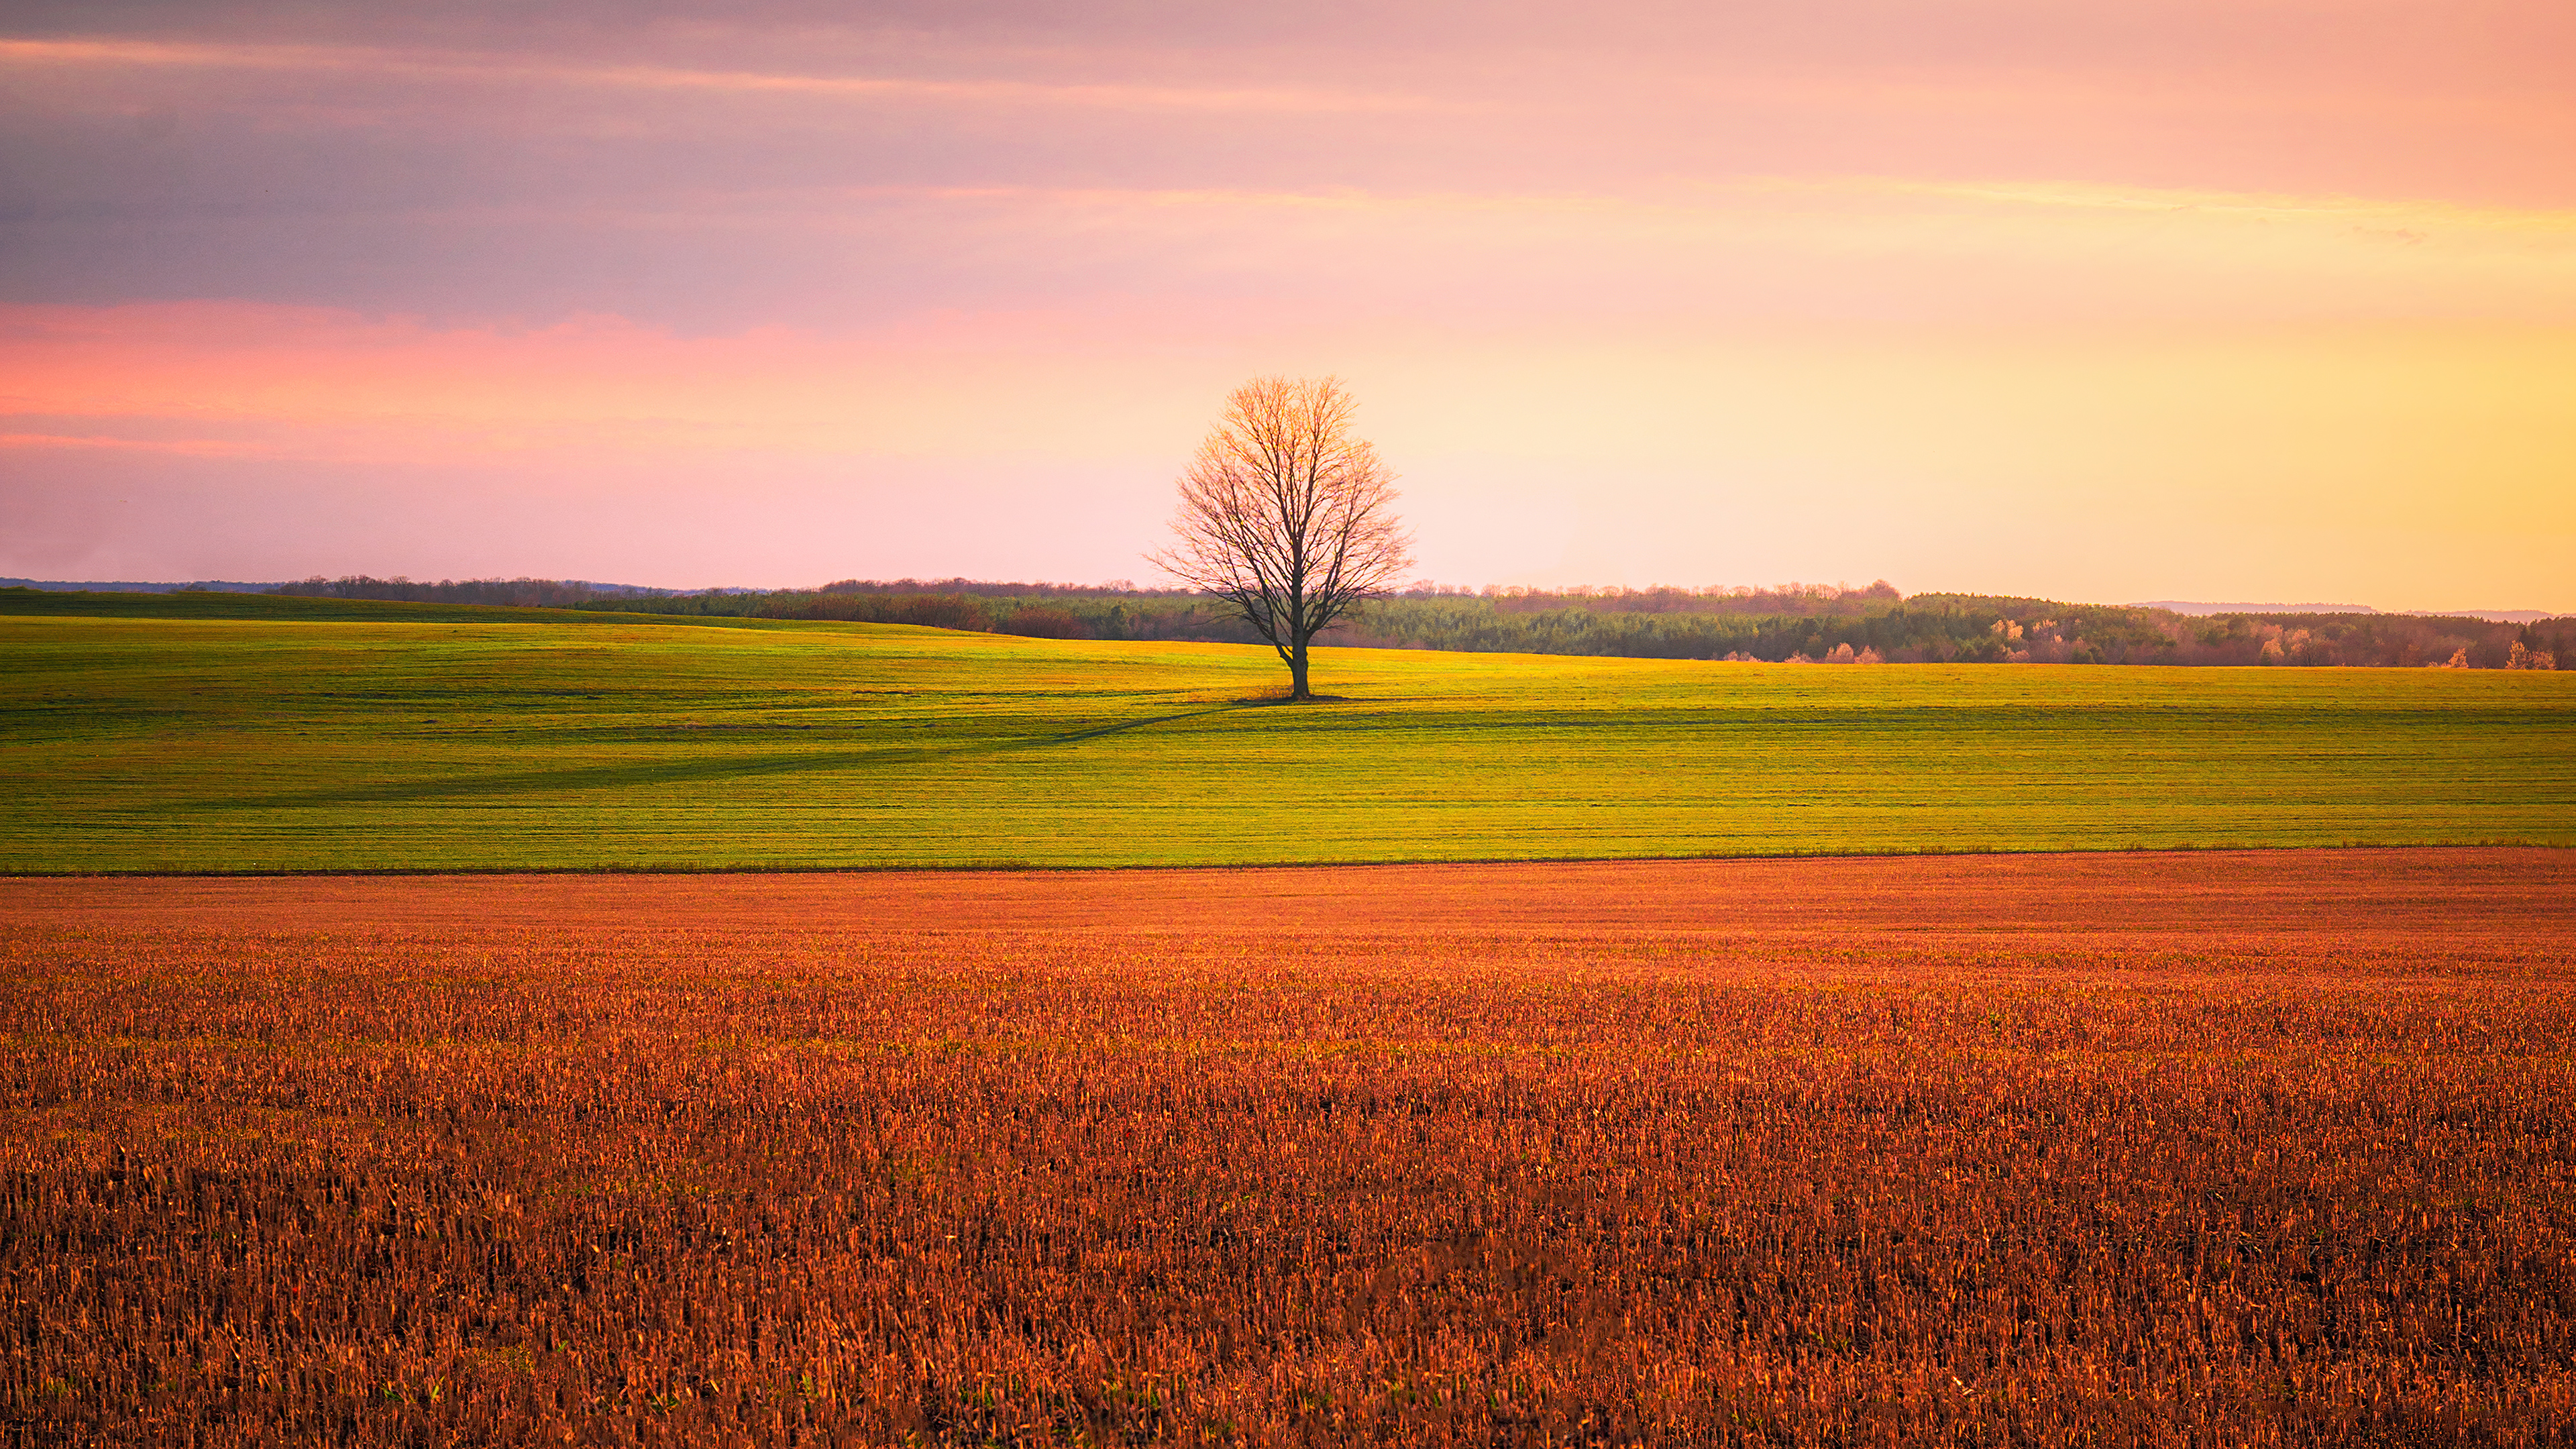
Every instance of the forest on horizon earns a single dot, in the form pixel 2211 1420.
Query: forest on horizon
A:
pixel 1819 623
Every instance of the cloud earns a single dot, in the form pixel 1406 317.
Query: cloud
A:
pixel 1176 287
pixel 326 385
pixel 1691 254
pixel 1748 291
pixel 486 69
pixel 714 173
pixel 175 447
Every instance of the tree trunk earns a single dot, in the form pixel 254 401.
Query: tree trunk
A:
pixel 1297 672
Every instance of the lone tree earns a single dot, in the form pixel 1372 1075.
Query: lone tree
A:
pixel 1287 516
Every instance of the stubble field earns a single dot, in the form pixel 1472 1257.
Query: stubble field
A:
pixel 2267 1148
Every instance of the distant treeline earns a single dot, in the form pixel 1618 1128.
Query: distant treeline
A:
pixel 2042 631
pixel 1793 622
pixel 1970 628
pixel 508 593
pixel 1790 600
pixel 1653 623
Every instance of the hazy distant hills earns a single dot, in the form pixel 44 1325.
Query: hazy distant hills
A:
pixel 238 586
pixel 2193 607
pixel 2492 616
pixel 128 586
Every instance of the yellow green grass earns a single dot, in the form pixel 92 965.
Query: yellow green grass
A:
pixel 369 737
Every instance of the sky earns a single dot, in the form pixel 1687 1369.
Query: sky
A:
pixel 2233 299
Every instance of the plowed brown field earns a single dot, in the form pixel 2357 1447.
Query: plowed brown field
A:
pixel 2269 1148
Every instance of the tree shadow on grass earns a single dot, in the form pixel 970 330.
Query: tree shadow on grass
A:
pixel 664 772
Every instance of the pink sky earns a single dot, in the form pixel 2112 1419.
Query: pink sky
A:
pixel 2255 300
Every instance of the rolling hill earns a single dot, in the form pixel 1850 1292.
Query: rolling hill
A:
pixel 324 735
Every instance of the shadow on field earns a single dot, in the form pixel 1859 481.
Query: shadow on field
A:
pixel 609 777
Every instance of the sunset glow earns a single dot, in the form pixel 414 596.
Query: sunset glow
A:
pixel 2267 301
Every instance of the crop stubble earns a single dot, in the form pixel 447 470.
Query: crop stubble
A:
pixel 2187 1149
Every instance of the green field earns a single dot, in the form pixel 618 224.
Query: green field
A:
pixel 327 735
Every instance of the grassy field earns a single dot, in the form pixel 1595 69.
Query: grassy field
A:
pixel 2167 1150
pixel 231 734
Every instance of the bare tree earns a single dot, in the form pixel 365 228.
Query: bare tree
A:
pixel 1287 516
